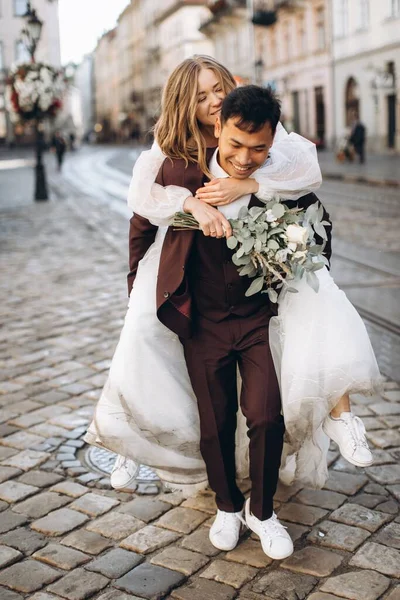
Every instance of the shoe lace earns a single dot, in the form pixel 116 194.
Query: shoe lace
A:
pixel 121 463
pixel 356 429
pixel 228 520
pixel 272 527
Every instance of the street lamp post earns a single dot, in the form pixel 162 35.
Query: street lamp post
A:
pixel 31 35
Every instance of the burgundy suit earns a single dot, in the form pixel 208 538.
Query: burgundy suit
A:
pixel 200 296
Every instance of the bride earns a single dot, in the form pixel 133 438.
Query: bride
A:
pixel 147 412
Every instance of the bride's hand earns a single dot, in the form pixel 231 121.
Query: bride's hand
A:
pixel 219 192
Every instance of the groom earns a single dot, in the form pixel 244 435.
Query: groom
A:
pixel 201 297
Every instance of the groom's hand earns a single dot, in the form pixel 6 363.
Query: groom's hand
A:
pixel 212 222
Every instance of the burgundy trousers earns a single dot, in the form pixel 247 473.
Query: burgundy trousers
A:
pixel 212 356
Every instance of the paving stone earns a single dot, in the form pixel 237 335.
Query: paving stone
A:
pixel 389 535
pixel 182 520
pixel 5 453
pixel 148 539
pixel 294 530
pixel 204 589
pixel 313 561
pixel 149 581
pixel 145 509
pixel 26 460
pixel 384 438
pixel 222 571
pixel 61 556
pixel 204 501
pixel 117 595
pixel 7 473
pixel 380 558
pixel 387 474
pixel 249 552
pixel 395 490
pixel 79 584
pixel 22 440
pixel 345 483
pixel 70 488
pixel 353 514
pixel 40 479
pixel 299 513
pixel 322 596
pixel 41 504
pixel 8 556
pixel 321 498
pixel 178 559
pixel 357 585
pixel 59 522
pixel 392 395
pixel 69 421
pixel 87 541
pixel 375 488
pixel 199 541
pixel 24 540
pixel 9 595
pixel 394 594
pixel 385 408
pixel 43 596
pixel 12 491
pixel 286 492
pixel 249 595
pixel 116 525
pixel 390 506
pixel 174 498
pixel 284 585
pixel 9 520
pixel 367 500
pixel 28 576
pixel 94 504
pixel 115 563
pixel 337 535
pixel 371 423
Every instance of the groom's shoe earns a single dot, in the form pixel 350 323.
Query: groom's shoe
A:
pixel 348 432
pixel 275 540
pixel 225 531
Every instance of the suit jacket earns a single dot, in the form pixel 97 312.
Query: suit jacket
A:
pixel 174 304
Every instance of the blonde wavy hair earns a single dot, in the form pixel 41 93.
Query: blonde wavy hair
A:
pixel 178 131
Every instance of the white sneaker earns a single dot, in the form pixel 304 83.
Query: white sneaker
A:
pixel 124 472
pixel 275 540
pixel 348 432
pixel 224 532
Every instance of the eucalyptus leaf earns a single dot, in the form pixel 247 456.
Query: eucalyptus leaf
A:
pixel 248 245
pixel 317 266
pixel 248 270
pixel 292 290
pixel 242 260
pixel 231 242
pixel 272 295
pixel 273 245
pixel 256 211
pixel 257 245
pixel 278 210
pixel 255 287
pixel 312 281
pixel 320 230
pixel 243 212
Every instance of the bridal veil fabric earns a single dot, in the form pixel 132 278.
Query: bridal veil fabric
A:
pixel 147 410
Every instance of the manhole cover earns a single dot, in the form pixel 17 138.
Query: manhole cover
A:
pixel 102 461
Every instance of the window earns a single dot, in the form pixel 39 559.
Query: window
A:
pixel 302 41
pixel 341 17
pixel 21 53
pixel 320 26
pixel 363 14
pixel 20 7
pixel 394 8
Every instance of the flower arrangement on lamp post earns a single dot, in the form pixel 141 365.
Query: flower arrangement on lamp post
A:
pixel 34 93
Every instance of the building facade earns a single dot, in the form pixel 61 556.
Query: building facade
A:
pixel 106 74
pixel 84 82
pixel 366 69
pixel 13 51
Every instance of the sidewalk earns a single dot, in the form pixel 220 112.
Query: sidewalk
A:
pixel 64 531
pixel 378 169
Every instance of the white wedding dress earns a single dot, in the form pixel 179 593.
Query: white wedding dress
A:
pixel 147 410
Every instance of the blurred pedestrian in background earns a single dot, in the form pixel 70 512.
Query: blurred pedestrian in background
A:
pixel 357 139
pixel 60 146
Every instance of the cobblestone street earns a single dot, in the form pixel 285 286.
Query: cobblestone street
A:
pixel 65 534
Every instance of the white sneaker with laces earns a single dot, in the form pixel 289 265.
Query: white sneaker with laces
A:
pixel 225 531
pixel 275 540
pixel 348 432
pixel 124 472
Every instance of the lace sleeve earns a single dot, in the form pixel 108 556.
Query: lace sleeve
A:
pixel 156 203
pixel 292 169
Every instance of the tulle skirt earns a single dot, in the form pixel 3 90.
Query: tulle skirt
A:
pixel 321 351
pixel 148 411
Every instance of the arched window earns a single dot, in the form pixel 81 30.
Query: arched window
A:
pixel 352 101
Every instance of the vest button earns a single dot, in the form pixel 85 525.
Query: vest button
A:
pixel 166 294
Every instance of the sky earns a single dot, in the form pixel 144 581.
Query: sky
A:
pixel 82 22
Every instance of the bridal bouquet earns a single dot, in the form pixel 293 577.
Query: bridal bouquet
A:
pixel 274 245
pixel 34 90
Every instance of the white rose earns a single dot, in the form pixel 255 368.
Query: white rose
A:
pixel 297 234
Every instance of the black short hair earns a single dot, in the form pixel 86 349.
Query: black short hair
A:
pixel 253 106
